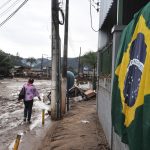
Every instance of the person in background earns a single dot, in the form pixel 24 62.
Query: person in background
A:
pixel 30 93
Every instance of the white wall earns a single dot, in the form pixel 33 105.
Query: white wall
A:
pixel 104 106
pixel 104 113
pixel 102 39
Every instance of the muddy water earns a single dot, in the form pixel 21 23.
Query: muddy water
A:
pixel 11 112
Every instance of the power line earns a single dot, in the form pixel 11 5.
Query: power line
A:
pixel 70 41
pixel 4 12
pixel 96 3
pixel 10 16
pixel 92 19
pixel 5 4
pixel 61 3
pixel 62 15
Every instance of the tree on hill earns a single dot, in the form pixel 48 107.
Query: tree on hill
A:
pixel 90 59
pixel 5 63
pixel 31 60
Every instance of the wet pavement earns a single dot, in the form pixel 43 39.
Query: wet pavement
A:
pixel 11 112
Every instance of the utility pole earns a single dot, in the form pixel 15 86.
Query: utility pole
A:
pixel 65 55
pixel 55 46
pixel 42 63
pixel 79 62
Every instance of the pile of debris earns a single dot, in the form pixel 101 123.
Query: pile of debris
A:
pixel 75 91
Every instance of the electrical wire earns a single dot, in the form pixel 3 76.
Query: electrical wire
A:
pixel 70 41
pixel 12 14
pixel 5 4
pixel 56 18
pixel 61 2
pixel 92 19
pixel 60 9
pixel 4 12
pixel 63 17
pixel 93 5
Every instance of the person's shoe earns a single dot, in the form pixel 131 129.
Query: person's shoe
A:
pixel 29 122
pixel 24 119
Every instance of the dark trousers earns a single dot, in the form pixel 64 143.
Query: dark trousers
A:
pixel 28 109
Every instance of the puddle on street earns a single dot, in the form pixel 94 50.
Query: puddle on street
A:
pixel 11 112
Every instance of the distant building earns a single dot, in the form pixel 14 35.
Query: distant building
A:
pixel 20 71
pixel 45 73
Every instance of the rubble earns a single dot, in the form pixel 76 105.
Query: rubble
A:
pixel 90 93
pixel 76 91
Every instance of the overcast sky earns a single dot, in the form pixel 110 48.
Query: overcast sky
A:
pixel 28 32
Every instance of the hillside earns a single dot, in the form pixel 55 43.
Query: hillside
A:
pixel 72 63
pixel 7 61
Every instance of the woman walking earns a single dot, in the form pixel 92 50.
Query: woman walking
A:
pixel 30 92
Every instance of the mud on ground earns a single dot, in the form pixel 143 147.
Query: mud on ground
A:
pixel 78 130
pixel 11 112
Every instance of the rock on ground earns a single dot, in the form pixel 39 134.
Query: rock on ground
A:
pixel 78 130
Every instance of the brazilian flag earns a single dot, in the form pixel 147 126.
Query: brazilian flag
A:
pixel 131 88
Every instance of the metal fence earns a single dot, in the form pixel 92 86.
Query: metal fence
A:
pixel 105 60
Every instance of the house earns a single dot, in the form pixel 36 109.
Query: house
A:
pixel 45 73
pixel 114 15
pixel 35 73
pixel 20 71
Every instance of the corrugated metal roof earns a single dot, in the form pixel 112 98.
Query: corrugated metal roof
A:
pixel 105 5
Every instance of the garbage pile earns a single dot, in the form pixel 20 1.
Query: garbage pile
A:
pixel 75 91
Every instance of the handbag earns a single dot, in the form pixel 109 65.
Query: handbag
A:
pixel 22 94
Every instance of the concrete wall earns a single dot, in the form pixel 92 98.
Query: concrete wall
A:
pixel 104 106
pixel 104 114
pixel 103 38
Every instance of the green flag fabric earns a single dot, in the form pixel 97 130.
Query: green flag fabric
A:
pixel 131 83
